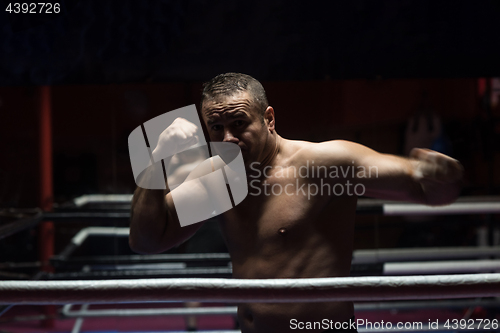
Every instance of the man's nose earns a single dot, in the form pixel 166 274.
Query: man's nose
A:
pixel 229 137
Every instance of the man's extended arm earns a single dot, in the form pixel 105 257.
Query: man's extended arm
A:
pixel 426 177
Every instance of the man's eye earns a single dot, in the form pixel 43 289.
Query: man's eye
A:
pixel 238 123
pixel 216 127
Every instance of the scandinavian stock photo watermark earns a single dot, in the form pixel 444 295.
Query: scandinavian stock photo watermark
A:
pixel 485 325
pixel 309 179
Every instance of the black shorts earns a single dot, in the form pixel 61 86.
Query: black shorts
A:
pixel 350 327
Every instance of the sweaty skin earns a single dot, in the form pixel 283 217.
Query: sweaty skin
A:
pixel 295 235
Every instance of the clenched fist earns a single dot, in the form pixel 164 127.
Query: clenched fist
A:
pixel 181 134
pixel 440 175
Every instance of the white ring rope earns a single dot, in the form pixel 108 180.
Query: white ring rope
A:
pixel 455 209
pixel 243 290
pixel 430 253
pixel 442 267
pixel 232 310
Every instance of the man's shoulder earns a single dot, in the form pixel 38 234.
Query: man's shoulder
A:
pixel 334 150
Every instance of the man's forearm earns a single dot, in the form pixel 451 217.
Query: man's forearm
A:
pixel 148 218
pixel 407 179
pixel 154 225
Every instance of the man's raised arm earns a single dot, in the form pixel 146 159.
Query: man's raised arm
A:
pixel 154 226
pixel 426 177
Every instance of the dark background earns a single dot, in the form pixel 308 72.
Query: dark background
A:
pixel 354 70
pixel 123 41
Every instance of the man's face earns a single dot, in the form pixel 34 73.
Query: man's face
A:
pixel 236 119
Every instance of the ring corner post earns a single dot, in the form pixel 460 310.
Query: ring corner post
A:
pixel 46 229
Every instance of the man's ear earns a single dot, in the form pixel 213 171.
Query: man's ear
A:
pixel 269 118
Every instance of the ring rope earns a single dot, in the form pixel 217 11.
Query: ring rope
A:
pixel 246 290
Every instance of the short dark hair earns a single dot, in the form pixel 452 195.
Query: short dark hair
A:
pixel 229 84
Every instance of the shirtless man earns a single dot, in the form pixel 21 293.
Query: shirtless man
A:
pixel 299 232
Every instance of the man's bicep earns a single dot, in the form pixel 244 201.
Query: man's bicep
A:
pixel 344 155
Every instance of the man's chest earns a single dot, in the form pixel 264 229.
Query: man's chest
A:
pixel 275 206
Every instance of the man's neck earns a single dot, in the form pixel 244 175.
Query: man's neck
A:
pixel 270 155
pixel 274 150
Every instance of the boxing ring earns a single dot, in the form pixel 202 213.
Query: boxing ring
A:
pixel 397 286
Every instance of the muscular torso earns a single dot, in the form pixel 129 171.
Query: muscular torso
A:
pixel 289 236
